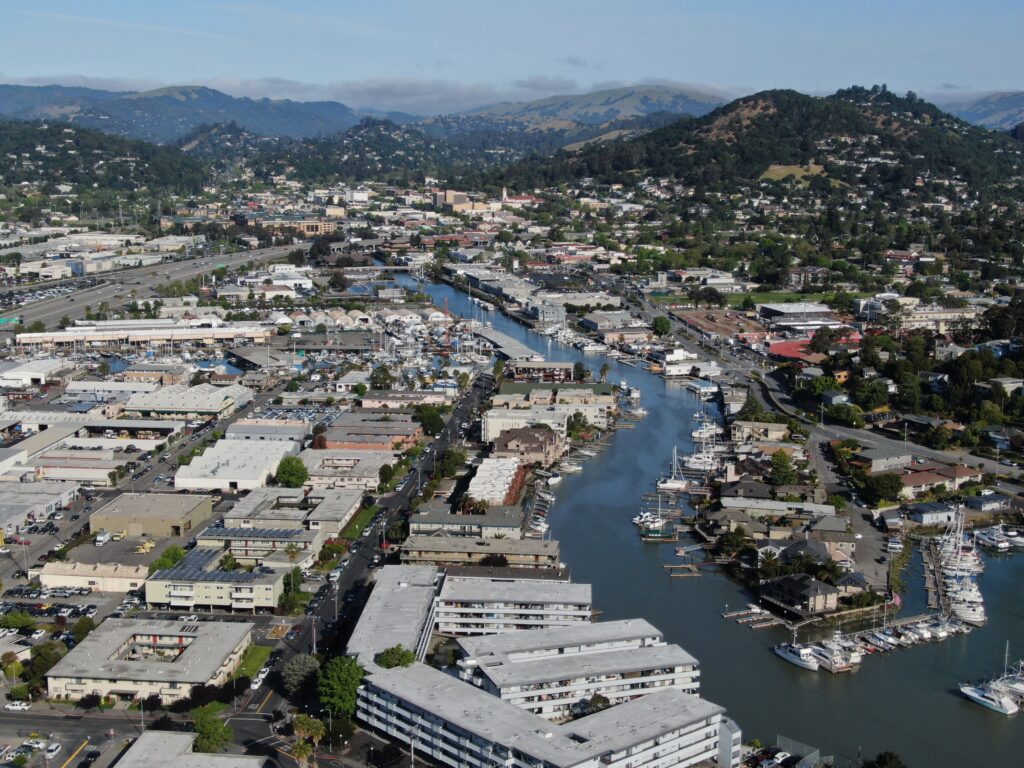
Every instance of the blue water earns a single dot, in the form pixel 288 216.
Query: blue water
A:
pixel 904 701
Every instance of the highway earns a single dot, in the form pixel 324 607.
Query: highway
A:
pixel 141 280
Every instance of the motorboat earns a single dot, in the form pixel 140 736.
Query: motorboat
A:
pixel 570 467
pixel 831 659
pixel 798 655
pixel 554 479
pixel 993 540
pixel 991 696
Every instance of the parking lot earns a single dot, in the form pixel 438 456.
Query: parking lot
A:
pixel 311 414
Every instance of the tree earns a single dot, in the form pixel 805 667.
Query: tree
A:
pixel 299 673
pixel 385 475
pixel 310 728
pixel 340 678
pixel 291 472
pixel 463 381
pixel 822 340
pixel 661 326
pixel 81 628
pixel 429 418
pixel 580 372
pixel 90 701
pixel 302 751
pixel 885 760
pixel 883 487
pixel 212 733
pixel 783 472
pixel 381 378
pixel 499 370
pixel 768 567
pixel 338 281
pixel 396 656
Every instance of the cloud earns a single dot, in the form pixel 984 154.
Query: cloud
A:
pixel 952 87
pixel 575 61
pixel 546 85
pixel 118 24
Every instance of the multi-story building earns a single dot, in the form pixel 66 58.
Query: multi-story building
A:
pixel 199 580
pixel 133 659
pixel 552 672
pixel 346 468
pixel 484 606
pixel 274 547
pixel 462 550
pixel 453 723
pixel 317 510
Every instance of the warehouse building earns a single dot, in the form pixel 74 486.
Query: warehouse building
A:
pixel 132 659
pixel 99 577
pixel 178 401
pixel 153 514
pixel 199 581
pixel 20 502
pixel 234 465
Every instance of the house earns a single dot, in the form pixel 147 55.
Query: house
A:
pixel 832 397
pixel 931 513
pixel 800 594
pixel 531 445
pixel 749 431
pixel 989 503
pixel 878 460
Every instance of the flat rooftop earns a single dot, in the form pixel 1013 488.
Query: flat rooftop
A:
pixel 464 544
pixel 165 749
pixel 207 645
pixel 515 591
pixel 201 564
pixel 396 612
pixel 552 638
pixel 576 665
pixel 150 506
pixel 252 534
pixel 481 714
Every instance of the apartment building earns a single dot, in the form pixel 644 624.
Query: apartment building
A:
pixel 200 581
pixel 484 606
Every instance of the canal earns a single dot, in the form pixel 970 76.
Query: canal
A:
pixel 905 701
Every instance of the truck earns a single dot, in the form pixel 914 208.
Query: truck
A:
pixel 102 538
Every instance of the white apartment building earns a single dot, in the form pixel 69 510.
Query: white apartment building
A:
pixel 484 606
pixel 550 671
pixel 456 724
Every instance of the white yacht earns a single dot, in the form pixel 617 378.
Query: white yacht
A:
pixel 991 696
pixel 569 467
pixel 798 655
pixel 554 479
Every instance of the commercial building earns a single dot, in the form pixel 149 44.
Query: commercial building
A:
pixel 539 370
pixel 199 580
pixel 461 550
pixel 20 502
pixel 234 465
pixel 99 577
pixel 153 514
pixel 399 611
pixel 484 606
pixel 551 672
pixel 166 749
pixel 136 658
pixel 268 430
pixel 456 724
pixel 204 401
pixel 272 547
pixel 106 390
pixel 345 468
pixel 325 510
pixel 496 421
pixel 36 373
pixel 878 460
pixel 151 332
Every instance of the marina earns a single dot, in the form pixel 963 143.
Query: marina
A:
pixel 898 701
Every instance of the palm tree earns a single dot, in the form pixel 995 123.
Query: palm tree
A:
pixel 768 568
pixel 302 752
pixel 292 551
pixel 830 572
pixel 605 368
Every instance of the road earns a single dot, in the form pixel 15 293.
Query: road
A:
pixel 141 280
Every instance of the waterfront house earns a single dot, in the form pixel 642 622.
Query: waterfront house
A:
pixel 748 431
pixel 531 445
pixel 800 594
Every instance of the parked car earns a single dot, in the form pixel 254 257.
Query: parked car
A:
pixel 18 706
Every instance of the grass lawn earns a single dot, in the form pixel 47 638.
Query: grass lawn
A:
pixel 359 522
pixel 255 657
pixel 777 172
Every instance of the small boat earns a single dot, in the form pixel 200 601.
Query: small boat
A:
pixel 992 697
pixel 831 659
pixel 554 479
pixel 797 655
pixel 638 412
pixel 570 467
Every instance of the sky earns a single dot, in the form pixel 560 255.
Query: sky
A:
pixel 433 56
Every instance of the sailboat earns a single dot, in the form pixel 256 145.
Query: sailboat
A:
pixel 994 695
pixel 675 482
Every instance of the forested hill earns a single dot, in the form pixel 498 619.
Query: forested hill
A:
pixel 56 153
pixel 860 137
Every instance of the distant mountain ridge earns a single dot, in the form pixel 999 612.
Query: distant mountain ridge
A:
pixel 167 114
pixel 598 107
pixel 1003 111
